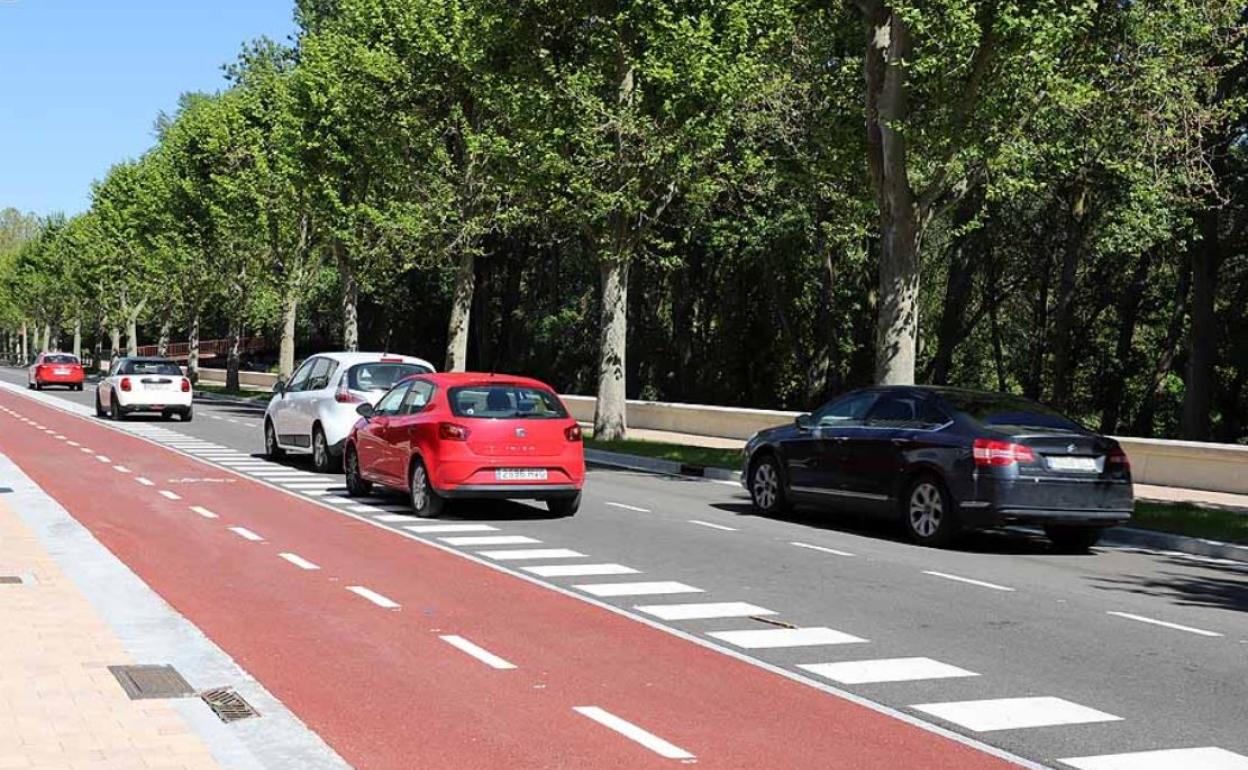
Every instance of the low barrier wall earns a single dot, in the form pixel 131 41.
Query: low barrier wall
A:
pixel 1188 464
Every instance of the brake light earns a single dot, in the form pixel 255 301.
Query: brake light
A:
pixel 344 396
pixel 1118 459
pixel 1001 453
pixel 572 433
pixel 186 385
pixel 125 384
pixel 391 360
pixel 449 431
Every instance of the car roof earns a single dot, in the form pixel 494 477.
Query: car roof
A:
pixel 351 358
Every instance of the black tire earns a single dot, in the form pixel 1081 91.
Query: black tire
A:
pixel 357 485
pixel 30 385
pixel 99 408
pixel 166 416
pixel 767 486
pixel 38 385
pixel 1068 539
pixel 272 449
pixel 78 388
pixel 927 512
pixel 322 457
pixel 426 502
pixel 564 506
pixel 114 409
pixel 188 415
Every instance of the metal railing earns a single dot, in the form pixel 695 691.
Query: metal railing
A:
pixel 207 348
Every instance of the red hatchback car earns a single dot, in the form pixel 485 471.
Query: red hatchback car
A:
pixel 463 435
pixel 55 369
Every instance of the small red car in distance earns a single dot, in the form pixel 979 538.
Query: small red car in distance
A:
pixel 451 436
pixel 55 369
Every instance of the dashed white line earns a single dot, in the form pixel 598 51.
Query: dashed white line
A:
pixel 532 553
pixel 59 437
pixel 170 495
pixel 633 732
pixel 480 653
pixel 969 581
pixel 73 443
pixel 704 611
pixel 1203 758
pixel 374 597
pixel 103 459
pixel 638 589
pixel 86 450
pixel 491 540
pixel 1012 713
pixel 428 528
pixel 1164 624
pixel 821 549
pixel 121 469
pixel 207 514
pixel 885 670
pixel 298 561
pixel 771 638
pixel 701 523
pixel 145 482
pixel 246 534
pixel 580 570
pixel 627 507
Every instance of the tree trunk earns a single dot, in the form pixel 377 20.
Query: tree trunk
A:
pixel 1128 314
pixel 97 344
pixel 610 420
pixel 461 311
pixel 162 344
pixel 192 353
pixel 47 338
pixel 350 299
pixel 115 338
pixel 232 358
pixel 1142 425
pixel 286 349
pixel 78 338
pixel 1033 385
pixel 958 285
pixel 132 334
pixel 1202 341
pixel 25 349
pixel 1064 310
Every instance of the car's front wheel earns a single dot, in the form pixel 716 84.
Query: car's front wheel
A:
pixel 357 485
pixel 272 449
pixel 1069 539
pixel 767 486
pixel 564 506
pixel 426 501
pixel 927 513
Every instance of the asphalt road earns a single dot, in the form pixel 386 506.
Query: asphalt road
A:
pixel 1131 651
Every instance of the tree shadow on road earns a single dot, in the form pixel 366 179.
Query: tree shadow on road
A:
pixel 1187 584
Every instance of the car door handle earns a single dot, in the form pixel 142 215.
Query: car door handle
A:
pixel 903 442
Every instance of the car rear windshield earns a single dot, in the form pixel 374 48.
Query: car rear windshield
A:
pixel 151 367
pixel 996 409
pixel 65 359
pixel 500 401
pixel 380 376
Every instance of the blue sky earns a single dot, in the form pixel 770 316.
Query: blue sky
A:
pixel 81 82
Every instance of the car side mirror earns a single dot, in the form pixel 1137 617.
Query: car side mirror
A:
pixel 365 410
pixel 803 422
pixel 280 385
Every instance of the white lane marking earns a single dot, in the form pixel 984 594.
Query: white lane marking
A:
pixel 288 474
pixel 103 458
pixel 170 495
pixel 207 514
pixel 770 638
pixel 885 670
pixel 655 588
pixel 426 528
pixel 532 553
pixel 374 597
pixel 580 570
pixel 966 580
pixel 73 443
pixel 704 611
pixel 633 732
pixel 86 450
pixel 216 417
pixel 713 526
pixel 821 549
pixel 1164 624
pixel 629 507
pixel 121 469
pixel 313 485
pixel 1011 713
pixel 59 437
pixel 480 653
pixel 1203 758
pixel 49 431
pixel 145 482
pixel 491 540
pixel 392 518
pixel 298 561
pixel 313 492
pixel 246 534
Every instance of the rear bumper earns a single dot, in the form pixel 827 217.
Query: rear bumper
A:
pixel 60 379
pixel 154 408
pixel 995 502
pixel 512 491
pixel 973 515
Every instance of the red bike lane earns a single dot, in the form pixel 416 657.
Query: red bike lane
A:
pixel 381 687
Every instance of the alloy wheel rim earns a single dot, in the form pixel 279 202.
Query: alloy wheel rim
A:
pixel 353 470
pixel 927 509
pixel 766 486
pixel 420 492
pixel 270 440
pixel 318 449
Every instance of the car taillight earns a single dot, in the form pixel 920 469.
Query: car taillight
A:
pixel 1118 459
pixel 125 383
pixel 572 433
pixel 344 396
pixel 449 431
pixel 1001 453
pixel 186 385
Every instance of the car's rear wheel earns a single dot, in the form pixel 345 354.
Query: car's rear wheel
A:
pixel 564 506
pixel 322 458
pixel 114 409
pixel 425 499
pixel 188 415
pixel 1069 539
pixel 927 513
pixel 357 485
pixel 272 449
pixel 767 486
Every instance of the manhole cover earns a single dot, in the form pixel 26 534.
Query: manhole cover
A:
pixel 228 705
pixel 143 682
pixel 8 580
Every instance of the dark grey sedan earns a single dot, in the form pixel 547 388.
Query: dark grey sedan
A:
pixel 940 460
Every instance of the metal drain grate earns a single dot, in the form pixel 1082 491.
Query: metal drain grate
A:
pixel 9 580
pixel 228 705
pixel 144 682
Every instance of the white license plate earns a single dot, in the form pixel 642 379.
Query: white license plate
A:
pixel 158 385
pixel 520 474
pixel 1083 464
pixel 60 371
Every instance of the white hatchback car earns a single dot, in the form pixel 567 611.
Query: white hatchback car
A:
pixel 315 410
pixel 153 385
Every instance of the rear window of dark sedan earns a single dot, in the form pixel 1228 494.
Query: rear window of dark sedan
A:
pixel 502 401
pixel 1001 409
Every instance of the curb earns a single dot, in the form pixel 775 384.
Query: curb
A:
pixel 1118 536
pixel 218 399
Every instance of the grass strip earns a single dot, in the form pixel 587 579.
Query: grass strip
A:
pixel 259 396
pixel 681 453
pixel 1192 521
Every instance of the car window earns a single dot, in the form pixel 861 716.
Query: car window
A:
pixel 300 377
pixel 996 409
pixel 501 401
pixel 380 376
pixel 391 402
pixel 322 371
pixel 60 359
pixel 418 396
pixel 905 410
pixel 843 412
pixel 140 367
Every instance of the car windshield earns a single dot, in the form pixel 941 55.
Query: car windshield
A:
pixel 64 359
pixel 151 367
pixel 501 401
pixel 380 376
pixel 997 409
